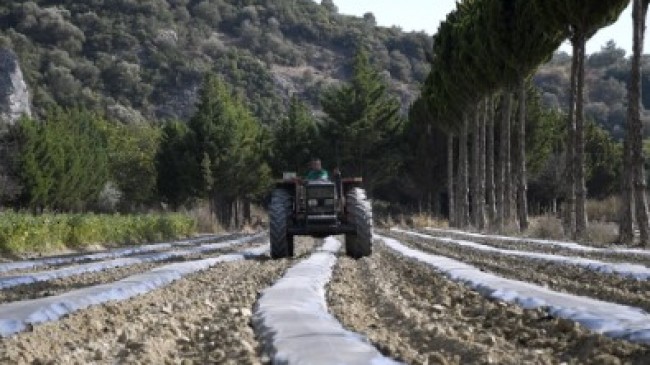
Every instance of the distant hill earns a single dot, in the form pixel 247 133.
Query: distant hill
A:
pixel 606 78
pixel 145 59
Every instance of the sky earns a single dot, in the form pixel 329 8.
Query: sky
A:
pixel 426 15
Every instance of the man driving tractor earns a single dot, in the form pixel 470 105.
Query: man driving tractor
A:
pixel 316 171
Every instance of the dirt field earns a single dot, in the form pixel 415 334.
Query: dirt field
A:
pixel 407 310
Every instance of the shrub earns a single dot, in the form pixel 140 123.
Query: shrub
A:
pixel 546 227
pixel 52 232
pixel 600 233
pixel 424 220
pixel 606 210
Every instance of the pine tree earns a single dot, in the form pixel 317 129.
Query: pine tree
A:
pixel 64 163
pixel 363 121
pixel 174 166
pixel 580 20
pixel 295 138
pixel 225 133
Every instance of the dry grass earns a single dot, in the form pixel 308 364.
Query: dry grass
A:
pixel 550 227
pixel 546 227
pixel 425 220
pixel 602 234
pixel 206 222
pixel 606 210
pixel 510 229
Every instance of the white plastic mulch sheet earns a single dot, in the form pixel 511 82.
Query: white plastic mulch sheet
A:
pixel 17 316
pixel 295 326
pixel 568 245
pixel 634 271
pixel 120 252
pixel 31 278
pixel 610 319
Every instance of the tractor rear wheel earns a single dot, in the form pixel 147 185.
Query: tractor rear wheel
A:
pixel 279 214
pixel 360 214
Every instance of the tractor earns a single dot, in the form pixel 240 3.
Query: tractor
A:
pixel 320 208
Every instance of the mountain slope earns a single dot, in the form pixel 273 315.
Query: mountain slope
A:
pixel 145 59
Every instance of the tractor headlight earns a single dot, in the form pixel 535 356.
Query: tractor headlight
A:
pixel 329 202
pixel 312 202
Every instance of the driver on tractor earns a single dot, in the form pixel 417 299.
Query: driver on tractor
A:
pixel 316 171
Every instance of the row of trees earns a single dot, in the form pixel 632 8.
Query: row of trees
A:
pixel 483 55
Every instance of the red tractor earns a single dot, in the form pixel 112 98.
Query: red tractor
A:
pixel 320 208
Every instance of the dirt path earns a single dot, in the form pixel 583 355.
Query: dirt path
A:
pixel 413 314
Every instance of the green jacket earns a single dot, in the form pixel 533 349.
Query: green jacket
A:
pixel 317 175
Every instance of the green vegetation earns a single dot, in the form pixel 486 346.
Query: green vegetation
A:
pixel 144 59
pixel 63 161
pixel 364 125
pixel 132 165
pixel 223 151
pixel 21 233
pixel 488 49
pixel 295 137
pixel 76 160
pixel 164 105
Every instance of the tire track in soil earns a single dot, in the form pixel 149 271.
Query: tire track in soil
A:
pixel 559 277
pixel 412 313
pixel 203 318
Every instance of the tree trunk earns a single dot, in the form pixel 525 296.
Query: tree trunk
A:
pixel 463 172
pixel 491 198
pixel 223 210
pixel 475 168
pixel 500 173
pixel 248 219
pixel 481 162
pixel 570 203
pixel 435 199
pixel 514 155
pixel 522 186
pixel 237 217
pixel 581 189
pixel 636 127
pixel 504 157
pixel 626 224
pixel 511 192
pixel 450 180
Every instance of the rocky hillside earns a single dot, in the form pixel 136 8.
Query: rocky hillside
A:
pixel 145 59
pixel 14 97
